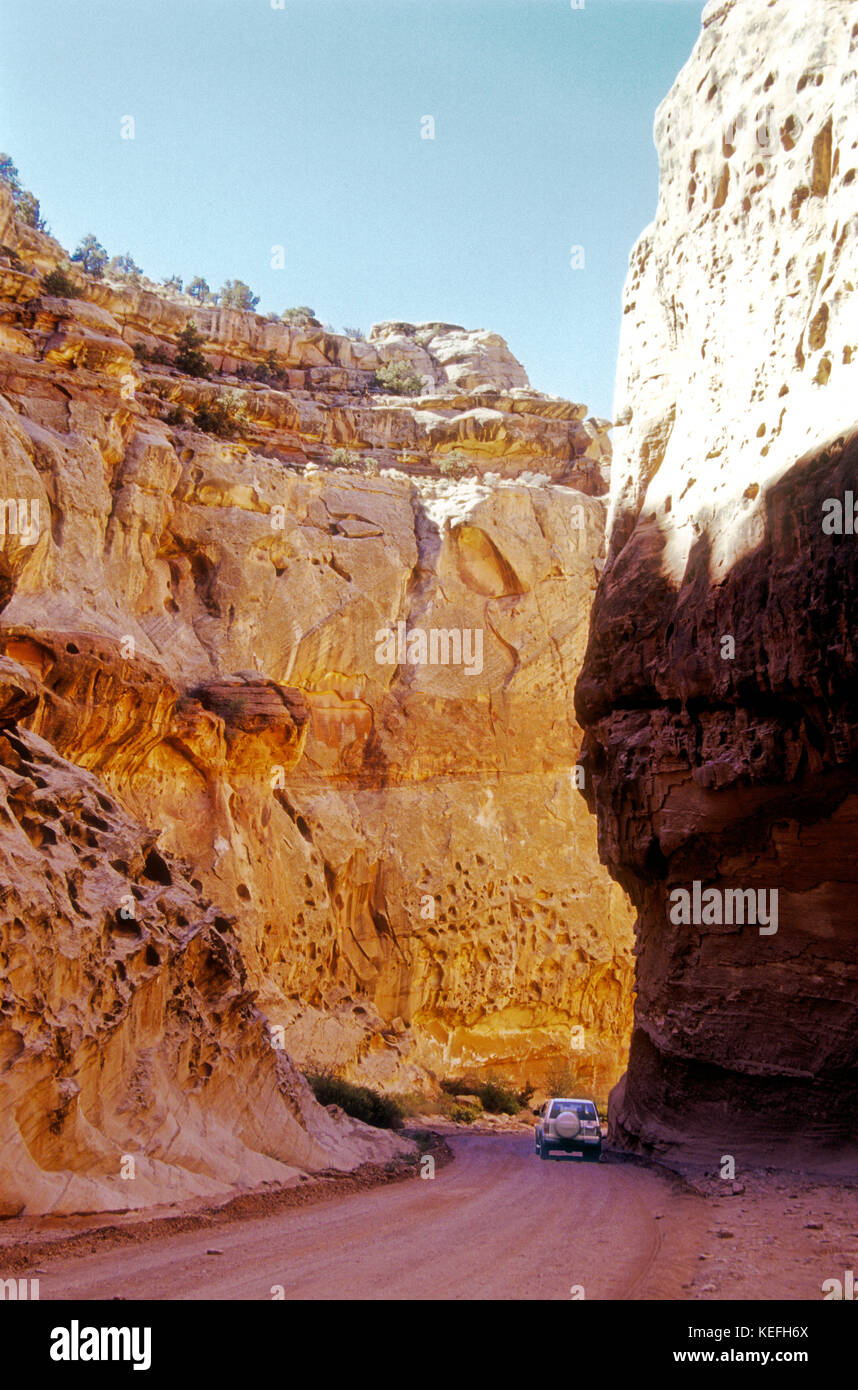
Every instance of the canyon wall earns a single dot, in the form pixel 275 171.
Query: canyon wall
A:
pixel 346 851
pixel 719 688
pixel 136 1065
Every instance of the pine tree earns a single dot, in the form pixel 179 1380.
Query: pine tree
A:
pixel 236 295
pixel 189 359
pixel 92 256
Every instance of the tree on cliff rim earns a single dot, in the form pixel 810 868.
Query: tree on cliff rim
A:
pixel 236 295
pixel 302 315
pixel 199 290
pixel 91 256
pixel 27 208
pixel 125 267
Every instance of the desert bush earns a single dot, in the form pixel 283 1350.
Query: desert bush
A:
pixel 223 416
pixel 189 359
pixel 58 282
pixel 344 458
pixel 465 1114
pixel 355 333
pixel 494 1095
pixel 266 371
pixel 124 267
pixel 562 1081
pixel 361 1102
pixel 302 314
pixel 497 1097
pixel 399 379
pixel 454 464
pixel 412 1103
pixel 173 282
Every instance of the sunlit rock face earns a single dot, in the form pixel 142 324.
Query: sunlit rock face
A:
pixel 336 701
pixel 136 1065
pixel 718 690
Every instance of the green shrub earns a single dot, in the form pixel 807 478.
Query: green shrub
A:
pixel 302 315
pixel 189 359
pixel 494 1095
pixel 266 371
pixel 173 282
pixel 454 464
pixel 361 1102
pixel 497 1097
pixel 58 283
pixel 141 352
pixel 224 416
pixel 399 379
pixel 355 333
pixel 465 1114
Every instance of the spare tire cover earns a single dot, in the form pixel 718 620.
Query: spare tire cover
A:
pixel 567 1124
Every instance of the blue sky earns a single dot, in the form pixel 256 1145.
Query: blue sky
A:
pixel 300 127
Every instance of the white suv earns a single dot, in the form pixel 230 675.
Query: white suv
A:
pixel 570 1125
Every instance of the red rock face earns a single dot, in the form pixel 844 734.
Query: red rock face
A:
pixel 718 693
pixel 738 774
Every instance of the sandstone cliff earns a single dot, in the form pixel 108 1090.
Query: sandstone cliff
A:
pixel 381 863
pixel 718 691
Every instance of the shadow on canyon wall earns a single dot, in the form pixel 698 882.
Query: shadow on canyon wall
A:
pixel 738 773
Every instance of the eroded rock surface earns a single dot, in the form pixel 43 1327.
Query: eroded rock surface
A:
pixel 718 691
pixel 408 875
pixel 136 1064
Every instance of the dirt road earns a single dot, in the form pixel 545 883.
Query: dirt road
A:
pixel 496 1224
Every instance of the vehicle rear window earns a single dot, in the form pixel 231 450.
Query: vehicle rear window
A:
pixel 584 1109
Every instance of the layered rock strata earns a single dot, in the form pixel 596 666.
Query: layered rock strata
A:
pixel 335 701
